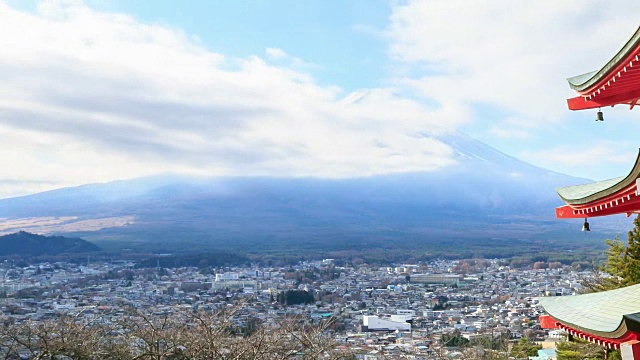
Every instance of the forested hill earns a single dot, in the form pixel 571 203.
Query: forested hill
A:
pixel 24 243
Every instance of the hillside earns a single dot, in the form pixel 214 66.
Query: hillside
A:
pixel 26 244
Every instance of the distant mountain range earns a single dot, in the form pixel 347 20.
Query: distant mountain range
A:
pixel 487 196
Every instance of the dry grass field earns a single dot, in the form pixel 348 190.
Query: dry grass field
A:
pixel 58 225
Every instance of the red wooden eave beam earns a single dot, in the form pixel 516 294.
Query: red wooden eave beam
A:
pixel 581 103
pixel 566 212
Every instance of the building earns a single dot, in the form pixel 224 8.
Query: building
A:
pixel 616 83
pixel 610 318
pixel 13 287
pixel 614 196
pixel 374 323
pixel 227 277
pixel 545 354
pixel 446 279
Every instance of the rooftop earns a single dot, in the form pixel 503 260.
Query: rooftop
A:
pixel 584 194
pixel 585 81
pixel 606 314
pixel 617 82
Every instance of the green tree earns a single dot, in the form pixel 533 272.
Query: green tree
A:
pixel 454 339
pixel 579 350
pixel 294 297
pixel 525 348
pixel 631 263
pixel 623 262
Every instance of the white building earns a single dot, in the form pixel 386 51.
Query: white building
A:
pixel 227 277
pixel 374 323
pixel 401 317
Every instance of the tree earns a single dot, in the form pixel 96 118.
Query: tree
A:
pixel 136 334
pixel 630 271
pixel 525 348
pixel 454 339
pixel 581 350
pixel 294 297
pixel 623 262
pixel 538 265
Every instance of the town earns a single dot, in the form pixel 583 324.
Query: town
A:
pixel 418 311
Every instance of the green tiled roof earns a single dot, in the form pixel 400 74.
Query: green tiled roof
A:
pixel 580 79
pixel 585 81
pixel 583 194
pixel 603 314
pixel 576 192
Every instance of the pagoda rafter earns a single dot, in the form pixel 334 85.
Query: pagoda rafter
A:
pixel 609 197
pixel 609 318
pixel 616 83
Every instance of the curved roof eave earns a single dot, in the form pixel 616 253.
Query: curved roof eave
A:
pixel 584 194
pixel 603 314
pixel 619 332
pixel 584 82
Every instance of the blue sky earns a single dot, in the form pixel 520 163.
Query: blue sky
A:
pixel 107 89
pixel 344 43
pixel 334 39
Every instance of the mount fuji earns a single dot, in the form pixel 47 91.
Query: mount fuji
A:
pixel 487 198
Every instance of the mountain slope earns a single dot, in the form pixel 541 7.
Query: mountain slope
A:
pixel 486 195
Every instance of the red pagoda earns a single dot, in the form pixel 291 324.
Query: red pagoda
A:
pixel 618 82
pixel 614 196
pixel 610 318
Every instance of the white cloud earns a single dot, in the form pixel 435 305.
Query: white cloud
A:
pixel 89 96
pixel 513 56
pixel 603 156
pixel 276 53
pixel 279 55
pixel 513 128
pixel 507 61
pixel 509 133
